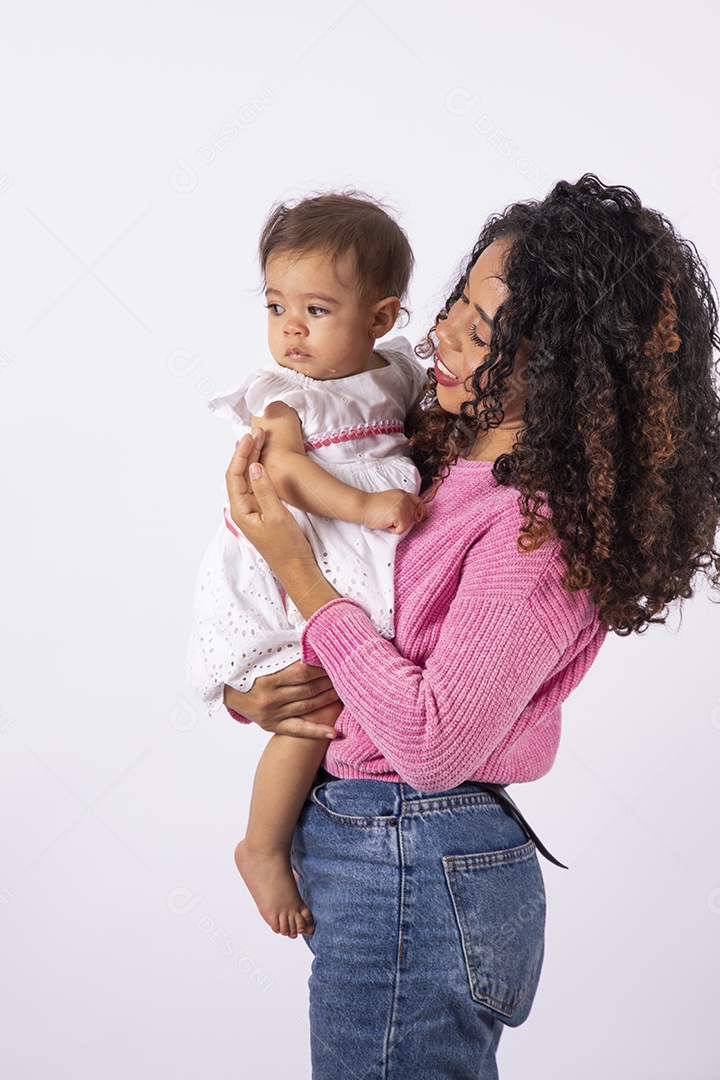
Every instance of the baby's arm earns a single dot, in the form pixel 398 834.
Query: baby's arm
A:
pixel 306 485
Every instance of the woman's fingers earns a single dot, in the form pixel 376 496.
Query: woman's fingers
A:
pixel 296 691
pixel 318 700
pixel 304 674
pixel 258 439
pixel 265 493
pixel 290 702
pixel 304 687
pixel 235 479
pixel 247 452
pixel 258 436
pixel 298 682
pixel 243 503
pixel 303 729
pixel 320 724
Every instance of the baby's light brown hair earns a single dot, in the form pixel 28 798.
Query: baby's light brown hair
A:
pixel 339 223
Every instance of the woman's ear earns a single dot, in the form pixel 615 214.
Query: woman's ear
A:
pixel 384 316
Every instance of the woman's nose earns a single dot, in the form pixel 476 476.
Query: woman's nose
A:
pixel 448 331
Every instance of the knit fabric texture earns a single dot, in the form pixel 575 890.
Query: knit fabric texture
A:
pixel 487 646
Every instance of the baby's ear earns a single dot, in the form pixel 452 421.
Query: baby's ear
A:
pixel 385 315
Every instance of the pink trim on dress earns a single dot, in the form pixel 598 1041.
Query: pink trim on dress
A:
pixel 361 431
pixel 231 525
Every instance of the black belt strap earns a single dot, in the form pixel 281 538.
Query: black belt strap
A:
pixel 508 805
pixel 499 791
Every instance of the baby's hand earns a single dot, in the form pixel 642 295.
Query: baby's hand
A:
pixel 394 510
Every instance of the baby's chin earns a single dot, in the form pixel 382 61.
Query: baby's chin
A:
pixel 312 367
pixel 295 363
pixel 306 366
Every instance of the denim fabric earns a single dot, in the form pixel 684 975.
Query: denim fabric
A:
pixel 430 915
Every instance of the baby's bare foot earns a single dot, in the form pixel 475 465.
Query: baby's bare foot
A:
pixel 271 883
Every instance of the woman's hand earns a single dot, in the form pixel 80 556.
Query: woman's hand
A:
pixel 300 700
pixel 272 530
pixel 270 527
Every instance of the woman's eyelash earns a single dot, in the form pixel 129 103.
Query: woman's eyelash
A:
pixel 472 331
pixel 475 339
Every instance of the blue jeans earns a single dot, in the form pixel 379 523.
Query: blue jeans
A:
pixel 429 928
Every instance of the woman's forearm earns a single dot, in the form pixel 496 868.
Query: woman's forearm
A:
pixel 440 721
pixel 306 585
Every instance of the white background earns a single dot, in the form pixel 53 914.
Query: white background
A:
pixel 129 293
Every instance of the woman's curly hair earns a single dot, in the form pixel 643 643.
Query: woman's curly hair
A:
pixel 620 450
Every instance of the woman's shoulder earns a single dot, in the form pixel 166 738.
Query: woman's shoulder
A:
pixel 497 567
pixel 491 517
pixel 500 560
pixel 533 577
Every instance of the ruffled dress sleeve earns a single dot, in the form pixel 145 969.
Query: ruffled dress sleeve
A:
pixel 411 375
pixel 255 393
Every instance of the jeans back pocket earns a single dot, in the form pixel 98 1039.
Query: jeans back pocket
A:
pixel 499 902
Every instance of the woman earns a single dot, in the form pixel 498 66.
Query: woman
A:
pixel 571 429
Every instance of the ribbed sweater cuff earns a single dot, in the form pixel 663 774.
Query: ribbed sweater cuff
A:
pixel 332 635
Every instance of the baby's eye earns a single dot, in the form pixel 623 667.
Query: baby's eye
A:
pixel 275 308
pixel 315 310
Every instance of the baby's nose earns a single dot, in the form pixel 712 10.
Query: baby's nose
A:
pixel 294 326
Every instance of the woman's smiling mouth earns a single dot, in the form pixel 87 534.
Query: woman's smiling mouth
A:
pixel 443 374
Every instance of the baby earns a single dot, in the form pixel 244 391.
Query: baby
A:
pixel 332 405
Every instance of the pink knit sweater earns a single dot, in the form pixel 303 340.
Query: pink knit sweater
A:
pixel 487 646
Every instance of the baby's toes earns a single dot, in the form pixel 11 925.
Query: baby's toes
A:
pixel 304 922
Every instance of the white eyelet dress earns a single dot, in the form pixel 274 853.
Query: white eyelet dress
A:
pixel 244 625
